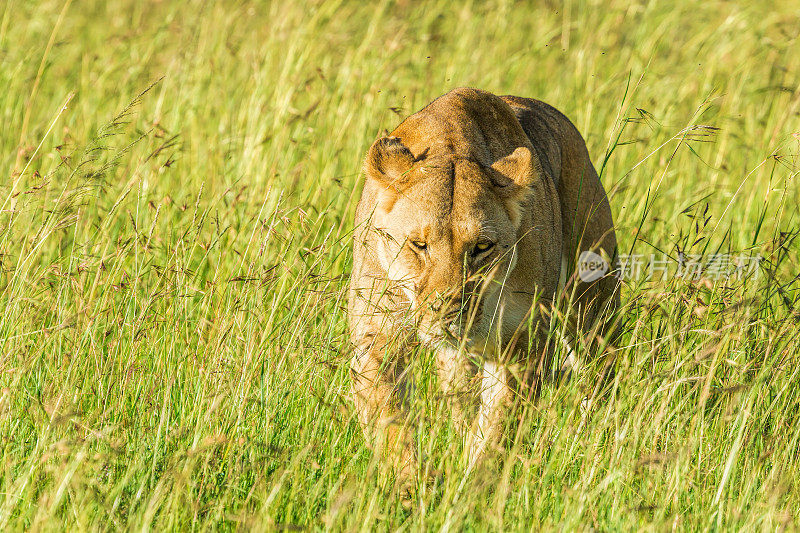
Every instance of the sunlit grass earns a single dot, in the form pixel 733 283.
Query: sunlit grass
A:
pixel 173 348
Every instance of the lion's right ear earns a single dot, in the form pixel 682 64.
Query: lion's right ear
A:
pixel 388 160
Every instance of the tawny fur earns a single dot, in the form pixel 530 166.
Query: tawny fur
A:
pixel 469 171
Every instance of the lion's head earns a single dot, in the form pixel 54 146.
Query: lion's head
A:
pixel 447 230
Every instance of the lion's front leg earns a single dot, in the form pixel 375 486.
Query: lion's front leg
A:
pixel 374 389
pixel 456 374
pixel 495 401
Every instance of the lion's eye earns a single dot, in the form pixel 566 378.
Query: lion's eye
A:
pixel 419 245
pixel 482 247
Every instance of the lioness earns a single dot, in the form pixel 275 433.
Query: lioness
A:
pixel 472 210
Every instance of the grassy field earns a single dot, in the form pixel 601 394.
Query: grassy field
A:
pixel 178 187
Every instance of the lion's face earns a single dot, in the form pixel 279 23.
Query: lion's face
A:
pixel 446 233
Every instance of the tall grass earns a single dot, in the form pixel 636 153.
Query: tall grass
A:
pixel 173 349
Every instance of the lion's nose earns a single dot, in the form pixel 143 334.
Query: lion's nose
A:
pixel 458 324
pixel 454 307
pixel 458 312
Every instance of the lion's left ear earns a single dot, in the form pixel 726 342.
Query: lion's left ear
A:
pixel 515 177
pixel 519 168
